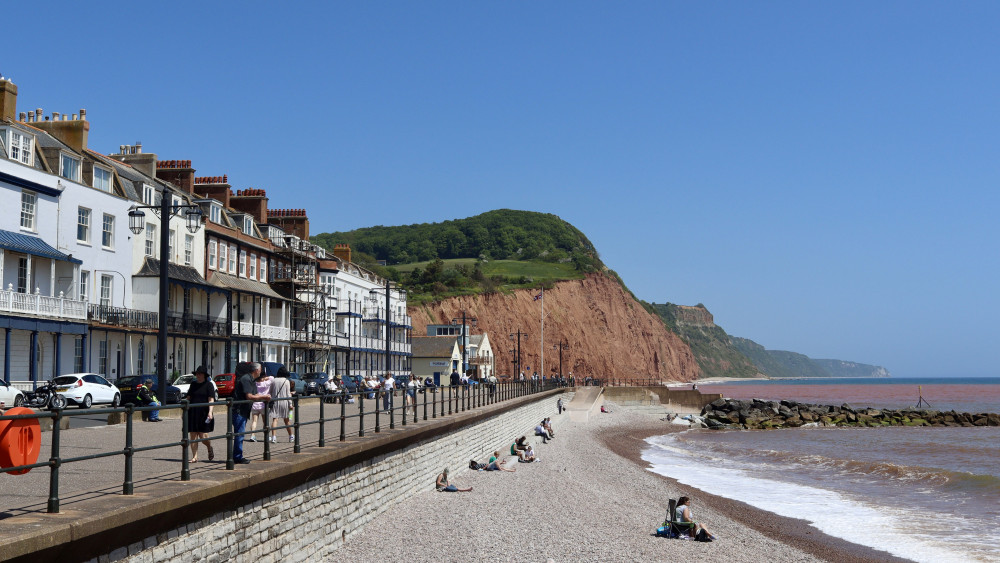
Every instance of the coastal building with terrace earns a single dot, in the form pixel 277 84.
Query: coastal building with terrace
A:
pixel 481 360
pixel 436 357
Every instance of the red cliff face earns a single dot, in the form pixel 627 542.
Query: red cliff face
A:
pixel 608 332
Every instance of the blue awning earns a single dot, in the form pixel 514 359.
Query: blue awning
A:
pixel 35 246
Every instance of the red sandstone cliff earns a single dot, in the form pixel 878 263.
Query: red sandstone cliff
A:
pixel 609 333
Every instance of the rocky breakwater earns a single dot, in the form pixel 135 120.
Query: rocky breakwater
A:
pixel 756 414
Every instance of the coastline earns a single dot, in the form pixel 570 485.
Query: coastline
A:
pixel 590 499
pixel 629 443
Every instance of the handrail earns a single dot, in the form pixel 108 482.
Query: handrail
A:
pixel 459 398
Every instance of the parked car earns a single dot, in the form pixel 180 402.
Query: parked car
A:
pixel 10 396
pixel 225 383
pixel 351 382
pixel 313 383
pixel 86 389
pixel 129 386
pixel 295 383
pixel 183 383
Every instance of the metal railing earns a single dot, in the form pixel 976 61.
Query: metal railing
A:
pixel 120 316
pixel 424 403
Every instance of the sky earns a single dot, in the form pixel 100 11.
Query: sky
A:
pixel 821 175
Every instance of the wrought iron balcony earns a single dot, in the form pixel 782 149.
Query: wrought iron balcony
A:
pixel 120 316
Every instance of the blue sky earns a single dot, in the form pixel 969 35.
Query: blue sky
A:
pixel 822 176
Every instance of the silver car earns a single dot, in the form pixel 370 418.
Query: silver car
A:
pixel 86 389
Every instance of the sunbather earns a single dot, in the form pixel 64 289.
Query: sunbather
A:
pixel 495 464
pixel 684 515
pixel 444 486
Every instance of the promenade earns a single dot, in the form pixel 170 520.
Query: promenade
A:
pixel 100 478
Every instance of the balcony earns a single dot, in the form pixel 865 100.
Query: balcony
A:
pixel 196 324
pixel 267 332
pixel 120 316
pixel 38 305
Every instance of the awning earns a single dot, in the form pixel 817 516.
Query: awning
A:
pixel 243 285
pixel 35 246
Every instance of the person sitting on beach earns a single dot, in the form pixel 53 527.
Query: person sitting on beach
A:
pixel 604 409
pixel 684 515
pixel 521 443
pixel 517 452
pixel 529 455
pixel 547 425
pixel 540 431
pixel 494 464
pixel 445 487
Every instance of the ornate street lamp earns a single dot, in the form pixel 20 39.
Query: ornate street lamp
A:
pixel 136 224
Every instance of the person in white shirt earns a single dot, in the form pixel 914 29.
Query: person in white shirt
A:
pixel 388 386
pixel 411 391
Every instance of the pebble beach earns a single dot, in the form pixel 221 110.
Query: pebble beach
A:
pixel 590 498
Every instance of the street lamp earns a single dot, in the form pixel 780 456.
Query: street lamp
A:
pixel 136 224
pixel 465 343
pixel 518 334
pixel 561 346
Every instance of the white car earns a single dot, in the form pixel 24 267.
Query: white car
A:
pixel 86 389
pixel 10 396
pixel 184 384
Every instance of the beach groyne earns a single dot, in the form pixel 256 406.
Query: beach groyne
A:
pixel 756 414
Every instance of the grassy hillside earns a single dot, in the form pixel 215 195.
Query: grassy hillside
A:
pixel 712 347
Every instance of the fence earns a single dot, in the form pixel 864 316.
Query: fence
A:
pixel 435 401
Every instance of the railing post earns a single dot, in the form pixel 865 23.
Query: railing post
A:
pixel 54 463
pixel 296 416
pixel 426 392
pixel 449 400
pixel 361 413
pixel 392 408
pixel 322 418
pixel 343 415
pixel 378 410
pixel 185 441
pixel 406 396
pixel 267 432
pixel 128 486
pixel 434 402
pixel 230 463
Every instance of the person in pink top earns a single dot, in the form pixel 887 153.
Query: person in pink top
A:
pixel 257 409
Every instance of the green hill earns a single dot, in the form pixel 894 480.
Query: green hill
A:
pixel 781 363
pixel 711 346
pixel 494 251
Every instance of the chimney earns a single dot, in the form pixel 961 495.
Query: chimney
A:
pixel 73 132
pixel 252 201
pixel 177 172
pixel 134 157
pixel 342 251
pixel 8 100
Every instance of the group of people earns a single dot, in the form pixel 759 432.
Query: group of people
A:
pixel 544 429
pixel 277 387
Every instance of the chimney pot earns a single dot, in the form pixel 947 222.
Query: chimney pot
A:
pixel 74 117
pixel 83 114
pixel 22 116
pixel 38 114
pixel 55 116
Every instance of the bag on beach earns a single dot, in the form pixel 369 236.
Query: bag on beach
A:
pixel 703 536
pixel 475 466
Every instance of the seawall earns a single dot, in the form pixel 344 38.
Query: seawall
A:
pixel 297 508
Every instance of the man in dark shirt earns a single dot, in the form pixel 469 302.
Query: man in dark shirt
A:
pixel 455 378
pixel 244 390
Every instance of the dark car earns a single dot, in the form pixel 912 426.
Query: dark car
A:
pixel 294 381
pixel 313 383
pixel 129 386
pixel 351 383
pixel 225 383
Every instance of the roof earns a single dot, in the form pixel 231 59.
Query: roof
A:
pixel 242 284
pixel 476 339
pixel 32 245
pixel 151 269
pixel 433 346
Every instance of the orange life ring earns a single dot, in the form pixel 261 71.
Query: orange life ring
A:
pixel 20 440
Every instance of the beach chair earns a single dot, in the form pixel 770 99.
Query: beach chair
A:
pixel 672 528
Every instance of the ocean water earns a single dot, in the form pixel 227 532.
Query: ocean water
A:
pixel 926 494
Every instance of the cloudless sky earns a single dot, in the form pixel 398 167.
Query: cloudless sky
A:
pixel 821 175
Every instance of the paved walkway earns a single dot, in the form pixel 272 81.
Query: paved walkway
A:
pixel 79 481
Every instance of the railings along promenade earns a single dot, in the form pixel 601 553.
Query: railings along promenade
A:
pixel 368 406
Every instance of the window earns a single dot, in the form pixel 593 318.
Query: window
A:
pixel 83 224
pixel 243 264
pixel 148 195
pixel 253 266
pixel 247 225
pixel 150 240
pixel 69 167
pixel 108 231
pixel 170 246
pixel 28 202
pixel 215 214
pixel 232 259
pixel 20 147
pixel 188 249
pixel 102 356
pixel 78 354
pixel 223 253
pixel 84 284
pixel 22 275
pixel 106 285
pixel 102 179
pixel 212 252
pixel 263 269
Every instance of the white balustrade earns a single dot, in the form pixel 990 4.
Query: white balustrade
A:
pixel 42 305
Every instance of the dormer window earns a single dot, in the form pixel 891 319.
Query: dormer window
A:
pixel 248 225
pixel 102 179
pixel 148 195
pixel 69 167
pixel 18 145
pixel 215 214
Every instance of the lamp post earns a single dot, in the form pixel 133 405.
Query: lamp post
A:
pixel 465 342
pixel 518 334
pixel 136 224
pixel 561 346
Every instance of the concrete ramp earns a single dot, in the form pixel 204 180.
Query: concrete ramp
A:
pixel 585 401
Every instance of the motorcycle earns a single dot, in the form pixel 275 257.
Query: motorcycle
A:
pixel 45 397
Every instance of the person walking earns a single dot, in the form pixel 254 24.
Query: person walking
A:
pixel 281 404
pixel 559 405
pixel 257 410
pixel 388 387
pixel 201 420
pixel 245 391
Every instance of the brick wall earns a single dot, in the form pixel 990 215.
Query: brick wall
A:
pixel 313 520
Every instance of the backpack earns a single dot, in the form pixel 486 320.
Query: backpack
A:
pixel 473 465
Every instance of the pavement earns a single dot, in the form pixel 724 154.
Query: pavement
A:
pixel 103 477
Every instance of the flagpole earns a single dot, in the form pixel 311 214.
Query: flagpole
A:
pixel 542 340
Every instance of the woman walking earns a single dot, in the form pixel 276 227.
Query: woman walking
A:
pixel 281 405
pixel 201 420
pixel 257 409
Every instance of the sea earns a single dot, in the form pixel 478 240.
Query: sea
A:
pixel 924 493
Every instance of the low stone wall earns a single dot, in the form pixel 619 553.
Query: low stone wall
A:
pixel 758 414
pixel 653 395
pixel 304 520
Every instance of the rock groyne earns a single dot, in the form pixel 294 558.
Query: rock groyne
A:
pixel 755 414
